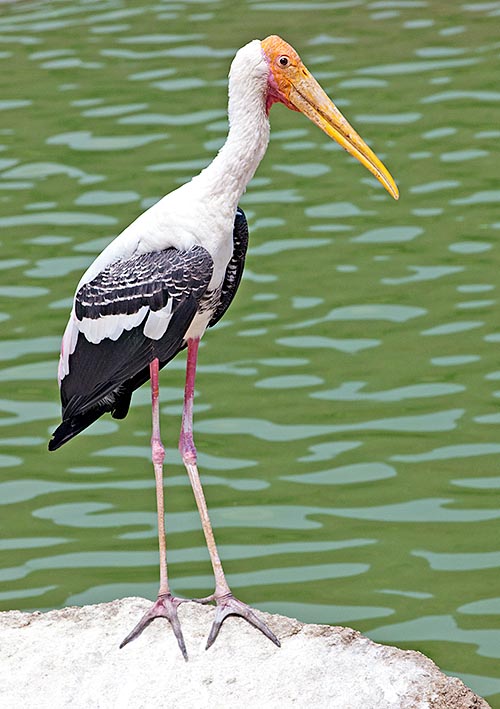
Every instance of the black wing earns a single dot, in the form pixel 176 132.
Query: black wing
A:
pixel 234 270
pixel 120 316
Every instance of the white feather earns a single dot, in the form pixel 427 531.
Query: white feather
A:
pixel 68 346
pixel 157 322
pixel 110 326
pixel 198 325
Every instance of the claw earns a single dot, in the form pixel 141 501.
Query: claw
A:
pixel 229 605
pixel 165 606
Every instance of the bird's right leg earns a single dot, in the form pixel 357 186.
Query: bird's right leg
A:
pixel 227 604
pixel 166 605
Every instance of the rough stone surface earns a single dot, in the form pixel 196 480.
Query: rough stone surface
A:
pixel 70 658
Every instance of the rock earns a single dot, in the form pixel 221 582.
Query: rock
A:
pixel 70 658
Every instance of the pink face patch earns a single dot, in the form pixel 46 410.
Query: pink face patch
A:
pixel 273 92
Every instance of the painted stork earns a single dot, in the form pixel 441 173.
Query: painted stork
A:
pixel 171 274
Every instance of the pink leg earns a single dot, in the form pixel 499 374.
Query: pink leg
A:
pixel 227 604
pixel 166 604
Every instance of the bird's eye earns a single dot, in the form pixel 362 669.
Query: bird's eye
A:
pixel 284 61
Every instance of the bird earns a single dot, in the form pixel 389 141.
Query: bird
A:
pixel 170 275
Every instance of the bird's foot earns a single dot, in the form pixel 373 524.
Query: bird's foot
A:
pixel 227 605
pixel 165 606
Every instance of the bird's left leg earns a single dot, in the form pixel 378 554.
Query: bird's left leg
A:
pixel 166 604
pixel 227 604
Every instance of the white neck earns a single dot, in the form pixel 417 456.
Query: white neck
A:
pixel 227 176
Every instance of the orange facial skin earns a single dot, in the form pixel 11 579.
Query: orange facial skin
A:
pixel 291 83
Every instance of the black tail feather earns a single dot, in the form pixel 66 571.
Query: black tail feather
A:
pixel 70 427
pixel 117 403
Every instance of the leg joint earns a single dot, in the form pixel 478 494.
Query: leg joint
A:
pixel 157 452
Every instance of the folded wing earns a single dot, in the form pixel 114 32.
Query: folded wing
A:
pixel 132 312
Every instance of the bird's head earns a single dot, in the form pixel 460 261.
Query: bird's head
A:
pixel 290 82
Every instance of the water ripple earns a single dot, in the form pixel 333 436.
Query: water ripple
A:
pixel 463 155
pixel 414 67
pixel 27 411
pixel 116 110
pixel 460 561
pixel 345 475
pixel 483 197
pixel 277 246
pixel 426 510
pixel 313 342
pixel 487 606
pixel 389 235
pixel 491 483
pixel 439 627
pixel 389 119
pixel 453 327
pixel 38 371
pixel 368 311
pixel 210 462
pixel 424 273
pixel 268 431
pixel 462 450
pixel 8 104
pixel 352 391
pixel 330 614
pixel 59 266
pixel 130 559
pixel 12 349
pixel 327 451
pixel 335 210
pixel 290 381
pixel 181 119
pixel 473 96
pixel 40 170
pixel 85 140
pixel 265 577
pixel 105 197
pixel 58 219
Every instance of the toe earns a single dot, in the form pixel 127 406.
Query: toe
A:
pixel 164 607
pixel 229 605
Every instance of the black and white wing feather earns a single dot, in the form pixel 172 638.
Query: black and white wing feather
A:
pixel 132 312
pixel 234 270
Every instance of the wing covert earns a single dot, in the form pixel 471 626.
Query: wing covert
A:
pixel 132 312
pixel 148 280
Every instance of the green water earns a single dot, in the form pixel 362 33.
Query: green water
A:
pixel 347 412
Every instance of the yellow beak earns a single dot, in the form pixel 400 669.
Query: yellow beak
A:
pixel 307 96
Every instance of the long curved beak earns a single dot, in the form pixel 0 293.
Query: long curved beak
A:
pixel 307 96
